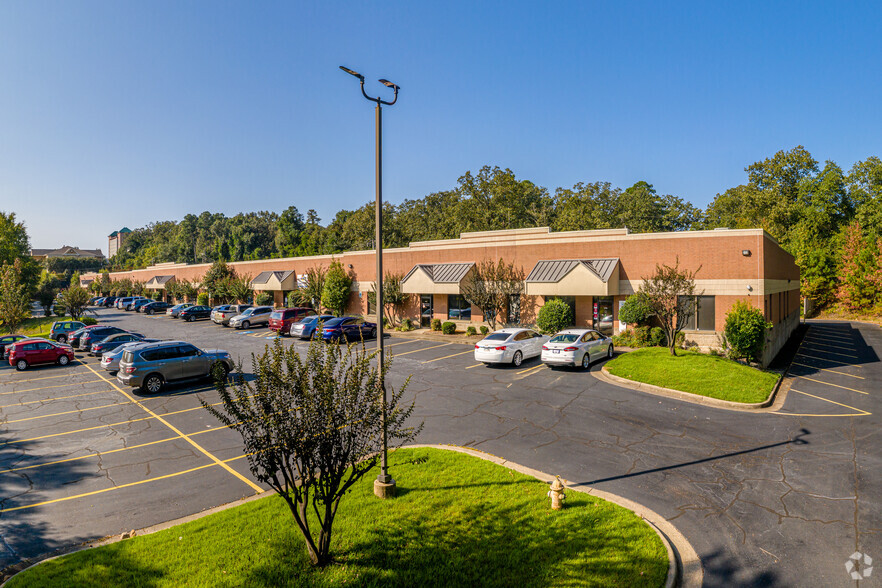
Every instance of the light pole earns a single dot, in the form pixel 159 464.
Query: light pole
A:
pixel 384 485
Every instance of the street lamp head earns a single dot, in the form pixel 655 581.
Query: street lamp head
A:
pixel 353 73
pixel 389 84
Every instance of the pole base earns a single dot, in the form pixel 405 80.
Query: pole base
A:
pixel 385 489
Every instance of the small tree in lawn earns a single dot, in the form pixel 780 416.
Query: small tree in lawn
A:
pixel 15 305
pixel 46 292
pixel 490 287
pixel 670 294
pixel 76 300
pixel 335 295
pixel 312 427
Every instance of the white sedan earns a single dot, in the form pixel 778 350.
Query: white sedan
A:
pixel 512 345
pixel 576 347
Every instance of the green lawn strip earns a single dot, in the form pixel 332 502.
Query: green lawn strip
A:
pixel 458 521
pixel 36 326
pixel 697 373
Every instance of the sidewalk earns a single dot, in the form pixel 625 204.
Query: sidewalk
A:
pixel 430 335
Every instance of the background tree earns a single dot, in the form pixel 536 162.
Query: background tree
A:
pixel 670 294
pixel 491 287
pixel 215 279
pixel 335 294
pixel 15 304
pixel 46 292
pixel 124 287
pixel 312 427
pixel 239 288
pixel 857 261
pixel 15 245
pixel 105 283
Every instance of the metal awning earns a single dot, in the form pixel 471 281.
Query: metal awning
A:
pixel 574 277
pixel 158 282
pixel 275 280
pixel 437 278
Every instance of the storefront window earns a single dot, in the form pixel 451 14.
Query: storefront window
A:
pixel 704 317
pixel 458 308
pixel 602 314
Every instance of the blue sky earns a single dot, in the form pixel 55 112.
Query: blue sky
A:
pixel 123 113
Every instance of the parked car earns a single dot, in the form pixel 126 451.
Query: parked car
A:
pixel 97 334
pixel 154 307
pixel 221 315
pixel 348 329
pixel 109 301
pixel 110 359
pixel 74 338
pixel 113 341
pixel 149 366
pixel 576 347
pixel 6 341
pixel 131 304
pixel 305 327
pixel 512 345
pixel 121 303
pixel 252 317
pixel 61 330
pixel 195 312
pixel 281 319
pixel 28 352
pixel 175 311
pixel 139 304
pixel 94 300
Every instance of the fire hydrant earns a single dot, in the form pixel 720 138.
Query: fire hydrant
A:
pixel 557 494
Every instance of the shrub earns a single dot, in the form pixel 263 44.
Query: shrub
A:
pixel 745 331
pixel 622 339
pixel 448 328
pixel 554 316
pixel 471 331
pixel 88 320
pixel 640 337
pixel 406 324
pixel 157 295
pixel 202 299
pixel 657 337
pixel 263 299
pixel 635 310
pixel 436 324
pixel 485 329
pixel 292 299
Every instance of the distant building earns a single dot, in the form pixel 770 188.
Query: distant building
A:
pixel 116 239
pixel 65 251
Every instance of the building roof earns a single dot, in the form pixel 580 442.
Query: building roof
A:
pixel 551 271
pixel 264 277
pixel 443 273
pixel 160 280
pixel 67 251
pixel 125 230
pixel 113 234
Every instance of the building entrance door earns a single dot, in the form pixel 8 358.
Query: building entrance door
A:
pixel 603 314
pixel 426 310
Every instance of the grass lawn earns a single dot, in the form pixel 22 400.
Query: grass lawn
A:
pixel 689 371
pixel 458 521
pixel 36 326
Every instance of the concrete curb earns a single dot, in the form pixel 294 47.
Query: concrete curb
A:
pixel 424 335
pixel 772 403
pixel 684 565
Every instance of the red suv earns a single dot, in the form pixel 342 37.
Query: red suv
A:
pixel 281 320
pixel 36 351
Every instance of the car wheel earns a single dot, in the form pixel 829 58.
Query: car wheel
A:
pixel 219 371
pixel 586 361
pixel 21 365
pixel 149 311
pixel 62 339
pixel 63 360
pixel 373 333
pixel 518 359
pixel 152 384
pixel 609 352
pixel 245 324
pixel 190 319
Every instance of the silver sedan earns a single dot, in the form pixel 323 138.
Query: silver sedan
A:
pixel 576 347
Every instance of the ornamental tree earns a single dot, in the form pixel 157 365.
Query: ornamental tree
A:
pixel 490 287
pixel 313 426
pixel 335 294
pixel 670 294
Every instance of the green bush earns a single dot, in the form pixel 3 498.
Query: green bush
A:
pixel 471 331
pixel 406 324
pixel 157 295
pixel 554 316
pixel 202 299
pixel 263 299
pixel 622 339
pixel 657 337
pixel 88 320
pixel 640 337
pixel 635 310
pixel 59 309
pixel 448 328
pixel 485 329
pixel 745 331
pixel 436 324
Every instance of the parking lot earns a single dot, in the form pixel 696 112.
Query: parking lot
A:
pixel 83 457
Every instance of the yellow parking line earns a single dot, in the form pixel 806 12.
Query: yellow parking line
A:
pixel 402 343
pixel 842 363
pixel 532 369
pixel 46 416
pixel 449 356
pixel 828 370
pixel 211 456
pixel 130 484
pixel 834 385
pixel 55 398
pixel 42 378
pixel 474 366
pixel 423 349
pixel 860 412
pixel 49 387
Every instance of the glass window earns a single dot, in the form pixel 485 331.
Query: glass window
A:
pixel 566 338
pixel 187 351
pixel 497 337
pixel 522 335
pixel 603 314
pixel 704 318
pixel 458 308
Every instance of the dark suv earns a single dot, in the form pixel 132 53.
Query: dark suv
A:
pixel 150 365
pixel 97 334
pixel 61 330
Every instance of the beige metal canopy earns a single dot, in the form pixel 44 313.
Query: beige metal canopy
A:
pixel 158 282
pixel 275 281
pixel 574 277
pixel 438 278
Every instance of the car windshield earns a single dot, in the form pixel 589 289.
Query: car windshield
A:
pixel 497 337
pixel 248 312
pixel 565 338
pixel 276 314
pixel 308 320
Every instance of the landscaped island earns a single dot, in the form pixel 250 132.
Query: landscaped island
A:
pixel 458 521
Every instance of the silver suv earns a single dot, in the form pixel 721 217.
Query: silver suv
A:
pixel 150 365
pixel 256 315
